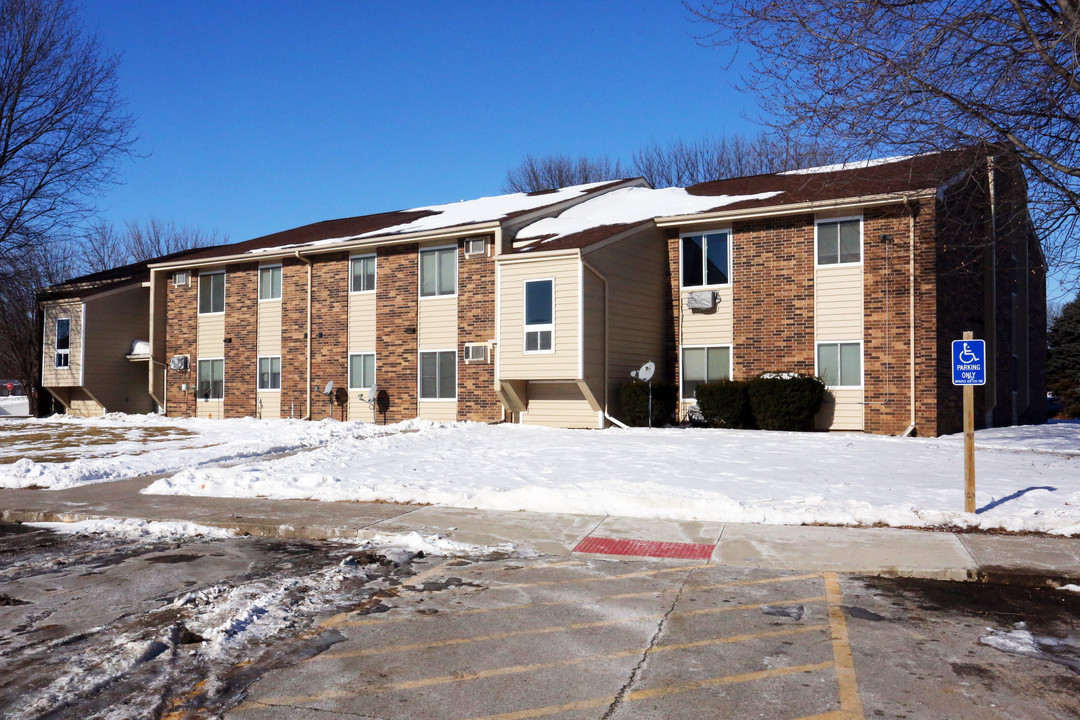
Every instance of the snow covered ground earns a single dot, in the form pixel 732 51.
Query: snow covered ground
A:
pixel 1027 478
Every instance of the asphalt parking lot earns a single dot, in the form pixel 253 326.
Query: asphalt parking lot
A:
pixel 93 627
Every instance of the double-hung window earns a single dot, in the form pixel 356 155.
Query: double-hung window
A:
pixel 839 364
pixel 211 293
pixel 438 272
pixel 269 283
pixel 270 373
pixel 706 259
pixel 438 375
pixel 361 371
pixel 362 273
pixel 704 364
pixel 839 241
pixel 63 342
pixel 539 315
pixel 211 379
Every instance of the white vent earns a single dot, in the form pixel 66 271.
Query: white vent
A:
pixel 178 363
pixel 475 352
pixel 702 300
pixel 475 246
pixel 180 278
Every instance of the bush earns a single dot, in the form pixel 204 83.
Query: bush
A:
pixel 786 401
pixel 634 398
pixel 725 404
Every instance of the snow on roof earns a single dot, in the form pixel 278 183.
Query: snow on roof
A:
pixel 859 165
pixel 629 205
pixel 465 212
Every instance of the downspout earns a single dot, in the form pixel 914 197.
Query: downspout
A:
pixel 911 315
pixel 607 324
pixel 307 334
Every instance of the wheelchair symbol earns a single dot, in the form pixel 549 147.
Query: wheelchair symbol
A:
pixel 966 356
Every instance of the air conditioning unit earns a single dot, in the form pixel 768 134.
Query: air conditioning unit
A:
pixel 181 278
pixel 702 300
pixel 475 247
pixel 178 363
pixel 475 352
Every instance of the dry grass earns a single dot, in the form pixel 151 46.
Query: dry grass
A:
pixel 65 443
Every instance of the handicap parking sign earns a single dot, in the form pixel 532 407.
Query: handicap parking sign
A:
pixel 969 362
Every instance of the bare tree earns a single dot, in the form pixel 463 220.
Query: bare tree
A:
pixel 555 171
pixel 102 246
pixel 62 125
pixel 876 77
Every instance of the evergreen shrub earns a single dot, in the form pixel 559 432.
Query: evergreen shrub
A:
pixel 785 401
pixel 725 404
pixel 634 398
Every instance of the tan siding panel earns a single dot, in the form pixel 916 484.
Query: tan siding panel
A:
pixel 838 303
pixel 113 322
pixel 269 335
pixel 271 404
pixel 843 410
pixel 211 336
pixel 559 405
pixel 514 364
pixel 52 376
pixel 362 322
pixel 439 410
pixel 210 408
pixel 708 328
pixel 437 323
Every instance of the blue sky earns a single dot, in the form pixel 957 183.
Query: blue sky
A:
pixel 255 117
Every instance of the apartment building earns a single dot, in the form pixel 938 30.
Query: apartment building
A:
pixel 535 307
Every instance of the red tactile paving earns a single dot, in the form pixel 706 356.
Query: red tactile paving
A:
pixel 644 548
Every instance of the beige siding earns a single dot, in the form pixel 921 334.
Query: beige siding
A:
pixel 271 404
pixel 838 303
pixel 113 322
pixel 437 323
pixel 211 336
pixel 71 376
pixel 159 289
pixel 269 335
pixel 563 363
pixel 85 405
pixel 440 410
pixel 362 322
pixel 843 410
pixel 210 408
pixel 559 405
pixel 708 327
pixel 593 338
pixel 358 407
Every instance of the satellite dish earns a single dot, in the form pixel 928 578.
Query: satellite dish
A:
pixel 329 388
pixel 373 391
pixel 645 372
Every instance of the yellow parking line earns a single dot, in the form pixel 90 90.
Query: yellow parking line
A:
pixel 655 692
pixel 850 702
pixel 547 630
pixel 535 667
pixel 763 581
pixel 605 578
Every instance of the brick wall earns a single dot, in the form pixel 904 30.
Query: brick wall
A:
pixel 241 330
pixel 397 293
pixel 180 333
pixel 294 385
pixel 773 298
pixel 330 335
pixel 477 399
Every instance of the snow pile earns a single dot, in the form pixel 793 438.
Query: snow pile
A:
pixel 680 474
pixel 630 205
pixel 135 529
pixel 412 543
pixel 857 165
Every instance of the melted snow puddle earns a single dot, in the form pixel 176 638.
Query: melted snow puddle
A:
pixel 1021 641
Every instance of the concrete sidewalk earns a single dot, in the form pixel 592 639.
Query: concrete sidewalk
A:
pixel 1027 559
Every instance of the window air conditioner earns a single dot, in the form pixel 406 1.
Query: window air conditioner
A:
pixel 475 246
pixel 178 363
pixel 702 300
pixel 180 278
pixel 475 353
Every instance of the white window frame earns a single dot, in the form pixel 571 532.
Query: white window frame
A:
pixel 483 246
pixel 818 222
pixel 258 373
pixel 181 278
pixel 420 375
pixel 198 381
pixel 66 352
pixel 862 361
pixel 537 328
pixel 704 254
pixel 375 277
pixel 420 271
pixel 374 370
pixel 682 365
pixel 198 293
pixel 280 282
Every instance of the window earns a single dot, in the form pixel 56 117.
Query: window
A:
pixel 180 278
pixel 270 373
pixel 211 379
pixel 539 308
pixel 269 284
pixel 438 375
pixel 840 364
pixel 706 259
pixel 362 371
pixel 63 342
pixel 362 273
pixel 438 272
pixel 704 364
pixel 211 293
pixel 839 241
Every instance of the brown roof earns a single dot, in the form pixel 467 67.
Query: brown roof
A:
pixel 576 240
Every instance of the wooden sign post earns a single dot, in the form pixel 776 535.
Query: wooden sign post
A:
pixel 969 370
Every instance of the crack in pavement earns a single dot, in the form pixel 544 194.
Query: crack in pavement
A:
pixel 617 701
